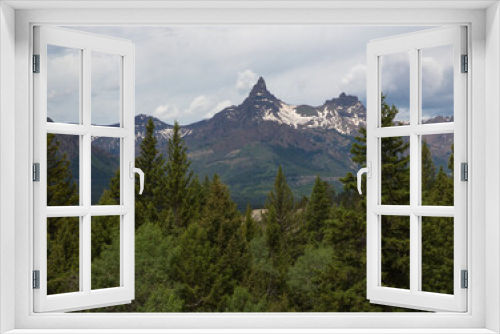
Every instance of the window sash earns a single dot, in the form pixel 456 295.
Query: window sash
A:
pixel 414 298
pixel 86 297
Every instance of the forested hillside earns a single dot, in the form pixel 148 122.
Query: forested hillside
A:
pixel 196 252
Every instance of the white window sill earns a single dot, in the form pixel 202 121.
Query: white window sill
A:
pixel 251 331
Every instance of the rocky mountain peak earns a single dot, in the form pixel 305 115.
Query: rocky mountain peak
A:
pixel 259 87
pixel 343 100
pixel 260 92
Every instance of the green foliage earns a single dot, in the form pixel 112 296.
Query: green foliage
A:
pixel 302 276
pixel 62 233
pixel 428 172
pixel 195 252
pixel 243 301
pixel 63 255
pixel 105 236
pixel 61 189
pixel 250 227
pixel 318 210
pixel 153 258
pixel 193 267
pixel 151 204
pixel 178 179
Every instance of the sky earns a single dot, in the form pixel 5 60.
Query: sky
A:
pixel 189 73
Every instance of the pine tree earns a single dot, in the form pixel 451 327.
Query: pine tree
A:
pixel 178 178
pixel 231 256
pixel 151 203
pixel 221 218
pixel 318 210
pixel 428 172
pixel 250 227
pixel 197 198
pixel 193 269
pixel 61 189
pixel 282 233
pixel 282 201
pixel 274 243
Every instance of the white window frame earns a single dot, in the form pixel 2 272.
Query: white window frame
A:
pixel 483 20
pixel 85 43
pixel 412 44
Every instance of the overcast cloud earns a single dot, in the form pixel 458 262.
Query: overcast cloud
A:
pixel 188 73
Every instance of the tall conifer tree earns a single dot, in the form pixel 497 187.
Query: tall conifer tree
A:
pixel 428 172
pixel 151 203
pixel 178 179
pixel 318 210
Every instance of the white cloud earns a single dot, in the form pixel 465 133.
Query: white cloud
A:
pixel 246 80
pixel 198 105
pixel 219 107
pixel 354 82
pixel 165 111
pixel 301 63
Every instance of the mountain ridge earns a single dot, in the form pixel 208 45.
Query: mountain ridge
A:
pixel 246 143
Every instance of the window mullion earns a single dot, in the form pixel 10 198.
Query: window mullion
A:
pixel 85 256
pixel 415 239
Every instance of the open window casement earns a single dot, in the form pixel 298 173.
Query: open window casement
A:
pixel 417 212
pixel 65 58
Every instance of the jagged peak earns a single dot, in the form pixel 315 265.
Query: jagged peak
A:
pixel 343 100
pixel 259 88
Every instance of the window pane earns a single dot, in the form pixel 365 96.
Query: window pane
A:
pixel 395 85
pixel 437 84
pixel 63 84
pixel 395 170
pixel 437 169
pixel 63 252
pixel 437 254
pixel 106 85
pixel 63 170
pixel 396 251
pixel 105 252
pixel 105 171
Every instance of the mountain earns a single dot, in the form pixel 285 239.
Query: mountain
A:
pixel 245 144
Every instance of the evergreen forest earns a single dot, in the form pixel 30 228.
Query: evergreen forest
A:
pixel 196 252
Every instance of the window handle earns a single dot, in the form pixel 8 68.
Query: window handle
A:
pixel 134 170
pixel 368 171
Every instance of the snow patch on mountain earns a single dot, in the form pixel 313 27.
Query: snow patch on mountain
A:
pixel 287 114
pixel 167 133
pixel 344 120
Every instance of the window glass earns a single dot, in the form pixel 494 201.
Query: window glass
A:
pixel 395 89
pixel 63 170
pixel 395 251
pixel 63 84
pixel 63 251
pixel 105 171
pixel 437 254
pixel 437 170
pixel 106 89
pixel 395 156
pixel 437 84
pixel 105 252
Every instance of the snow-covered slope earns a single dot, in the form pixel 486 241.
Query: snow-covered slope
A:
pixel 344 120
